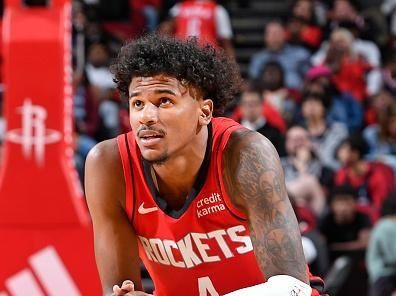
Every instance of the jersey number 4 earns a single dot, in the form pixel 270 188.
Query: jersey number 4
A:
pixel 206 287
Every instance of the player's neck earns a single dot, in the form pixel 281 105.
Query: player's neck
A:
pixel 177 175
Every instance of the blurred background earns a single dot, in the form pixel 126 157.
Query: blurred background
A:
pixel 319 82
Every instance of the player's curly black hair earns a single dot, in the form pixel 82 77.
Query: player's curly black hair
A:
pixel 205 68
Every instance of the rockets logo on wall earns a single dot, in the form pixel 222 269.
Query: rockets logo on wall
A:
pixel 33 135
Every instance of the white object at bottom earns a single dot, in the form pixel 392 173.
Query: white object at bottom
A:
pixel 278 285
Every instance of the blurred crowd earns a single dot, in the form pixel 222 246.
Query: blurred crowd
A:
pixel 322 89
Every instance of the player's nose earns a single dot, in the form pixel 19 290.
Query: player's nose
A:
pixel 149 114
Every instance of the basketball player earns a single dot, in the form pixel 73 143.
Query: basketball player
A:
pixel 200 199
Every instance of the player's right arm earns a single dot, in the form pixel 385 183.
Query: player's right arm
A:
pixel 116 249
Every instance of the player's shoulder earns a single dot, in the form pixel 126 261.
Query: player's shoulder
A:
pixel 246 155
pixel 244 139
pixel 104 151
pixel 104 174
pixel 104 156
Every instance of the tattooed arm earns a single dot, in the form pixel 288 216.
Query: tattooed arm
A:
pixel 254 180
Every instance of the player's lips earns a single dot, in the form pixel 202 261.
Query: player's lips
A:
pixel 150 141
pixel 149 137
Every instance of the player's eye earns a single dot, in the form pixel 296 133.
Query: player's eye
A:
pixel 165 101
pixel 137 104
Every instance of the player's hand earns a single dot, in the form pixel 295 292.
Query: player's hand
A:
pixel 127 289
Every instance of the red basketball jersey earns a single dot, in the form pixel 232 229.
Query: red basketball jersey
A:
pixel 205 247
pixel 202 249
pixel 198 19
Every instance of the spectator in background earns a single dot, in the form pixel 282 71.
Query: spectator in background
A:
pixel 302 28
pixel 103 90
pixel 97 67
pixel 377 105
pixel 86 119
pixel 85 105
pixel 104 33
pixel 344 10
pixel 278 103
pixel 88 28
pixel 294 59
pixel 150 10
pixel 305 176
pixel 381 251
pixel 278 107
pixel 344 227
pixel 369 52
pixel 349 11
pixel 381 137
pixel 325 136
pixel 373 180
pixel 204 19
pixel 110 116
pixel 347 231
pixel 366 50
pixel 252 117
pixel 349 68
pixel 343 107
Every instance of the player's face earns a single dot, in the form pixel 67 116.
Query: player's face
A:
pixel 164 115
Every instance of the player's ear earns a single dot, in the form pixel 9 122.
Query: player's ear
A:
pixel 206 110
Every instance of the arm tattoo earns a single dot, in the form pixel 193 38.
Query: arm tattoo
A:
pixel 254 179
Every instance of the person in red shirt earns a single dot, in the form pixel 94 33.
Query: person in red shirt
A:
pixel 348 67
pixel 373 180
pixel 278 104
pixel 302 28
pixel 203 19
pixel 197 198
